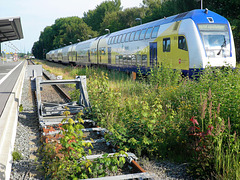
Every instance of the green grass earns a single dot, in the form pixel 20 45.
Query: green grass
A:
pixel 152 116
pixel 16 156
pixel 238 65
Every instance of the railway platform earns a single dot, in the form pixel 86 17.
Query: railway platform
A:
pixel 11 82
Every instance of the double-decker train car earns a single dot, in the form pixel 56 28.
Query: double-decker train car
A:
pixel 187 41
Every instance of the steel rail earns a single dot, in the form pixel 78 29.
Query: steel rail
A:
pixel 56 87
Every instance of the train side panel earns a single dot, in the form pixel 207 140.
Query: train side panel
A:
pixel 83 50
pixel 195 48
pixel 59 54
pixel 72 54
pixel 65 54
pixel 187 41
pixel 103 51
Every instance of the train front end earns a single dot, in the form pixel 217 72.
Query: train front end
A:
pixel 216 40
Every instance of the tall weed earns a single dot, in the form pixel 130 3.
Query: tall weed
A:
pixel 151 116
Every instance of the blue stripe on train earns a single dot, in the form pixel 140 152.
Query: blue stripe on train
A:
pixel 145 70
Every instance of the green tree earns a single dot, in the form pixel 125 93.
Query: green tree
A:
pixel 157 9
pixel 63 31
pixel 119 20
pixel 109 15
pixel 95 17
pixel 71 29
pixel 37 49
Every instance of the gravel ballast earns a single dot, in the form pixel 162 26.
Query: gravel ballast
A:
pixel 27 138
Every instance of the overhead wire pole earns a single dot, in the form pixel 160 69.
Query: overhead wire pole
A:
pixel 201 3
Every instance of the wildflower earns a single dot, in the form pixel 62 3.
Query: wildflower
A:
pixel 194 121
pixel 192 128
pixel 209 131
pixel 201 134
pixel 210 127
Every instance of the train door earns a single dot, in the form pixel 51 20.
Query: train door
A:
pixel 89 60
pixel 109 55
pixel 75 56
pixel 153 53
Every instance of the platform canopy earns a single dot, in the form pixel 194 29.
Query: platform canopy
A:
pixel 10 29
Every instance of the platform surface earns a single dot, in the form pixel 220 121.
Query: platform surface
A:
pixel 11 82
pixel 9 73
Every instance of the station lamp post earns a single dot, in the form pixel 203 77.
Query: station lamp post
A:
pixel 107 31
pixel 139 19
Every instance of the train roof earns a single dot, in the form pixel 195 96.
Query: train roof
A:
pixel 197 15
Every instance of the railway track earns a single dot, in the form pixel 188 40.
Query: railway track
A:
pixel 50 117
pixel 58 89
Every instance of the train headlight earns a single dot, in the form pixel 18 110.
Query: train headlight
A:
pixel 225 53
pixel 210 54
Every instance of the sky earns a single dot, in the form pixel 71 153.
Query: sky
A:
pixel 35 15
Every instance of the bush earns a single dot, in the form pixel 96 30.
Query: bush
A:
pixel 16 156
pixel 152 117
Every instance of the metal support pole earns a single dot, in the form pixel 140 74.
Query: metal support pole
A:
pixel 82 86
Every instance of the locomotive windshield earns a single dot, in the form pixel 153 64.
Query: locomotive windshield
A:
pixel 215 39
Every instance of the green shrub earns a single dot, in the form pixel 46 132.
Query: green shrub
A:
pixel 152 117
pixel 16 156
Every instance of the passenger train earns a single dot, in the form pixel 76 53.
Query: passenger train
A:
pixel 187 41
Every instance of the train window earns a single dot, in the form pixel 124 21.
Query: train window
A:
pixel 109 40
pixel 123 38
pixel 93 51
pixel 142 34
pixel 144 60
pixel 166 44
pixel 127 37
pixel 120 38
pixel 113 39
pixel 102 51
pixel 132 36
pixel 182 43
pixel 134 59
pixel 120 59
pixel 117 59
pixel 155 32
pixel 139 58
pixel 137 35
pixel 116 40
pixel 148 33
pixel 144 57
